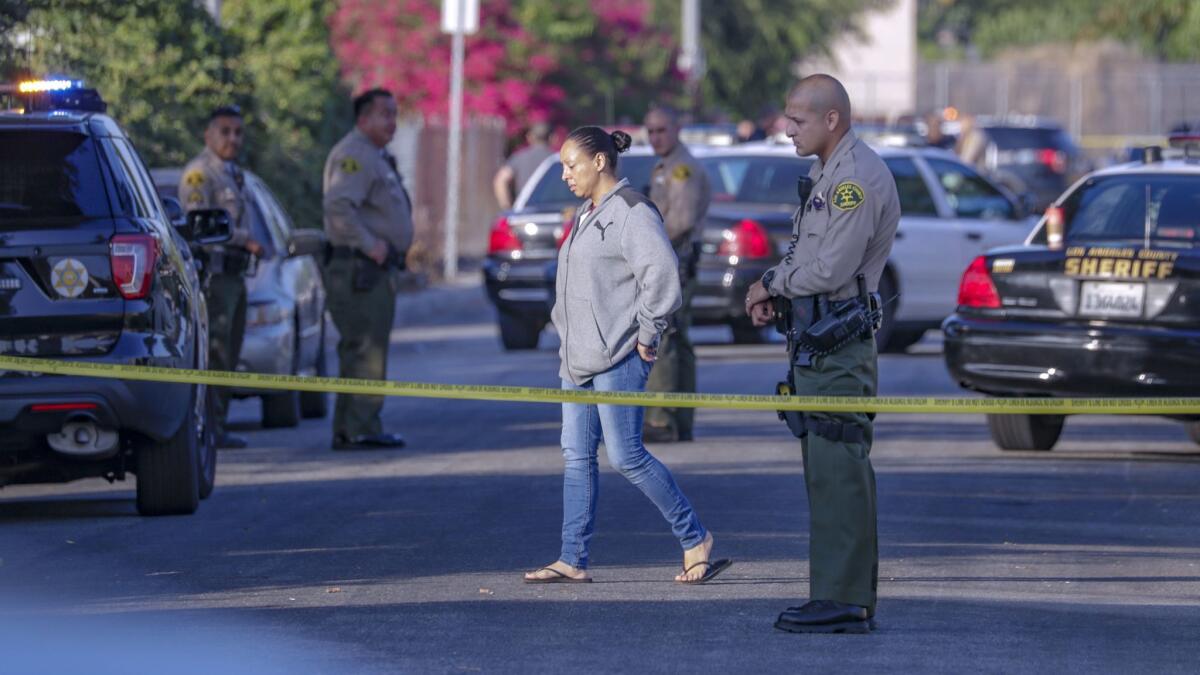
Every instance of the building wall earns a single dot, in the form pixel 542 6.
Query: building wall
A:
pixel 878 68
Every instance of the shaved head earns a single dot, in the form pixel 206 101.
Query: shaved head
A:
pixel 818 115
pixel 822 93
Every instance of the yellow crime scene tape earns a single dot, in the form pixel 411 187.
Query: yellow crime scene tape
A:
pixel 883 404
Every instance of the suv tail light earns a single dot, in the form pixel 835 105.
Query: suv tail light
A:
pixel 1055 160
pixel 747 239
pixel 133 257
pixel 977 289
pixel 503 239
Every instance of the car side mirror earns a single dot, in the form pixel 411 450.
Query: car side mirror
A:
pixel 307 242
pixel 207 226
pixel 174 211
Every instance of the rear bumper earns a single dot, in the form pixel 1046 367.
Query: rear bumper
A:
pixel 1012 358
pixel 520 287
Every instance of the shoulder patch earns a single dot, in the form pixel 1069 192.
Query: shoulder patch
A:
pixel 193 178
pixel 848 195
pixel 681 172
pixel 349 165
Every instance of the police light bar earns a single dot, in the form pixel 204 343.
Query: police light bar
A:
pixel 38 86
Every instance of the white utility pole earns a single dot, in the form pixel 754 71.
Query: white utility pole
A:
pixel 691 53
pixel 459 17
pixel 214 8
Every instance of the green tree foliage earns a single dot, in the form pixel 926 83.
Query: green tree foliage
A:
pixel 163 65
pixel 1166 29
pixel 299 109
pixel 751 45
pixel 160 65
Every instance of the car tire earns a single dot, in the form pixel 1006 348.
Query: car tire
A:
pixel 168 481
pixel 1025 432
pixel 1193 431
pixel 207 453
pixel 746 333
pixel 519 334
pixel 315 404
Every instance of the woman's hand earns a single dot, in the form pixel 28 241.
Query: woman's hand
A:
pixel 648 354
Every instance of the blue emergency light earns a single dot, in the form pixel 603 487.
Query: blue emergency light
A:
pixel 54 94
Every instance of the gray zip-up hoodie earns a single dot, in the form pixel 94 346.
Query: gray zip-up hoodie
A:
pixel 618 282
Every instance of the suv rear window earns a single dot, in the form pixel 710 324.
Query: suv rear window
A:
pixel 49 175
pixel 552 193
pixel 1019 138
pixel 1135 207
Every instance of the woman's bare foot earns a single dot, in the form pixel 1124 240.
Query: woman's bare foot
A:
pixel 558 566
pixel 699 553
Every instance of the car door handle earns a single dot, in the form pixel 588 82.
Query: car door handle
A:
pixel 974 236
pixel 899 235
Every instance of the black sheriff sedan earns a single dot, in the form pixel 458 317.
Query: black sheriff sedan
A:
pixel 1103 299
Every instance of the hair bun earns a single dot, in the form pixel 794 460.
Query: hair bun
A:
pixel 621 140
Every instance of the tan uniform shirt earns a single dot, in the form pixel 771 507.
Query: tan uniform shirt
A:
pixel 210 182
pixel 847 228
pixel 365 200
pixel 679 188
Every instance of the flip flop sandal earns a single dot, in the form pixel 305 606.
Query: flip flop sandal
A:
pixel 711 573
pixel 559 578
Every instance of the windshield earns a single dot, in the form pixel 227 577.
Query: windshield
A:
pixel 49 176
pixel 755 179
pixel 1156 207
pixel 551 192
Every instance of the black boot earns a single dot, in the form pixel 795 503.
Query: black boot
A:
pixel 825 616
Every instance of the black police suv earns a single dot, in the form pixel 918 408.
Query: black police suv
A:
pixel 92 269
pixel 1102 300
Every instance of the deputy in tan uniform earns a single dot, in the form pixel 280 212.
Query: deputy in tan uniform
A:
pixel 368 217
pixel 213 180
pixel 680 189
pixel 845 229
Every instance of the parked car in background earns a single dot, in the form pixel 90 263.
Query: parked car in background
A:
pixel 949 215
pixel 92 269
pixel 1026 155
pixel 518 272
pixel 1112 308
pixel 285 312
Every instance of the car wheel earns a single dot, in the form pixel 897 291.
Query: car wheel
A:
pixel 207 454
pixel 1025 432
pixel 746 333
pixel 1193 430
pixel 315 404
pixel 517 333
pixel 168 478
pixel 283 409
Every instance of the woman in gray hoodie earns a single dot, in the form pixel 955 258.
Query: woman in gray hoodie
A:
pixel 617 284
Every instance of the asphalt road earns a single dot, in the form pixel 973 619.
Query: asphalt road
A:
pixel 305 560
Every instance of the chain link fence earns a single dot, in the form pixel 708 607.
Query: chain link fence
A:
pixel 1124 100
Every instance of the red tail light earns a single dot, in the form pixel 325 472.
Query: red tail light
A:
pixel 566 231
pixel 747 239
pixel 977 289
pixel 1055 160
pixel 503 239
pixel 133 257
pixel 61 407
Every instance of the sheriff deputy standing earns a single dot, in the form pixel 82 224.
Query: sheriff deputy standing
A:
pixel 214 180
pixel 843 232
pixel 368 217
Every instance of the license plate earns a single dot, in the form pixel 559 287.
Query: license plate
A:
pixel 1112 300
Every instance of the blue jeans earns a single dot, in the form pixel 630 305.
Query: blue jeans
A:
pixel 621 427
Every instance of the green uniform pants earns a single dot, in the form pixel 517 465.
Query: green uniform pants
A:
pixel 226 299
pixel 364 320
pixel 675 369
pixel 843 544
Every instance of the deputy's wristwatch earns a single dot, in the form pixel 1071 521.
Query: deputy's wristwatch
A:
pixel 767 278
